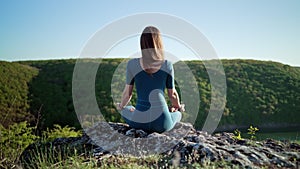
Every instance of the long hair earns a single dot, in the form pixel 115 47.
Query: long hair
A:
pixel 152 49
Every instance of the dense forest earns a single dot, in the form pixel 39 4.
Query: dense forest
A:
pixel 261 93
pixel 14 92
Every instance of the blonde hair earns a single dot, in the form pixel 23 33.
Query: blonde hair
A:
pixel 152 49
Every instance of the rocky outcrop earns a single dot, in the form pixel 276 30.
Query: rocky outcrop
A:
pixel 183 142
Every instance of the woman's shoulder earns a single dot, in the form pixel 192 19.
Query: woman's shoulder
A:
pixel 133 65
pixel 167 66
pixel 132 62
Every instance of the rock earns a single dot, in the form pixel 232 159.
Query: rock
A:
pixel 183 142
pixel 136 133
pixel 295 146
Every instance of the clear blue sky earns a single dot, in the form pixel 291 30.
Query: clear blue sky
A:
pixel 54 29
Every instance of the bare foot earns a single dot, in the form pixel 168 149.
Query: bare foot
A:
pixel 132 109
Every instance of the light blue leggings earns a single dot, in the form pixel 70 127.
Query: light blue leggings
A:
pixel 164 121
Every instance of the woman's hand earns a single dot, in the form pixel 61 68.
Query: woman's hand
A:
pixel 181 108
pixel 172 109
pixel 119 107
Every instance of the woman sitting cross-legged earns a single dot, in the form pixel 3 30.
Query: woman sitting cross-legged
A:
pixel 151 74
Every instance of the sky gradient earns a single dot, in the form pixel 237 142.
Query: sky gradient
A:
pixel 262 30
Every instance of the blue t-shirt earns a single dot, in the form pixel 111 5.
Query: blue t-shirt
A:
pixel 151 112
pixel 146 83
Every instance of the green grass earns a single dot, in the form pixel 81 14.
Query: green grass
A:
pixel 17 137
pixel 123 162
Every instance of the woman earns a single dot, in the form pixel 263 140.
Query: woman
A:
pixel 151 74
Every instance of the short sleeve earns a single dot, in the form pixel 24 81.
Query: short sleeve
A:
pixel 129 73
pixel 170 76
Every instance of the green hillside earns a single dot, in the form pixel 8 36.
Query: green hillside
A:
pixel 262 93
pixel 15 92
pixel 265 94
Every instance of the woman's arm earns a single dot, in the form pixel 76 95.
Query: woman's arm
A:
pixel 174 97
pixel 126 96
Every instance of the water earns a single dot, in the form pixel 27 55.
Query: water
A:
pixel 292 136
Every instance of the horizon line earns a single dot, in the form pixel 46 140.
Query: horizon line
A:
pixel 112 57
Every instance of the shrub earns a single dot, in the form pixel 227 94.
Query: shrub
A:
pixel 59 132
pixel 13 141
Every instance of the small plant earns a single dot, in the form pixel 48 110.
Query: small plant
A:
pixel 59 132
pixel 252 132
pixel 237 134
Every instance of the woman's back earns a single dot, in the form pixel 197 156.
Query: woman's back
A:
pixel 146 83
